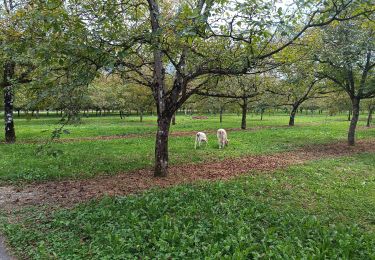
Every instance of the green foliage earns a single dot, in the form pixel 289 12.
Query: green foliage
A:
pixel 303 212
pixel 346 57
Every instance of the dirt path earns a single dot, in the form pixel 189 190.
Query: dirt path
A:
pixel 66 193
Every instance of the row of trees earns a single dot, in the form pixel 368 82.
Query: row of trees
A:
pixel 109 95
pixel 224 49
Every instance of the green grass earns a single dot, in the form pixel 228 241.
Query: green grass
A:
pixel 31 129
pixel 20 162
pixel 321 210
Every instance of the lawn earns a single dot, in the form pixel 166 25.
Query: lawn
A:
pixel 22 162
pixel 320 210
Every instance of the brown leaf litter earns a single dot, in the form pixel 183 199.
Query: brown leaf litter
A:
pixel 70 192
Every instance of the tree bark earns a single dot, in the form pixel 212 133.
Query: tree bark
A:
pixel 244 113
pixel 161 147
pixel 369 117
pixel 10 133
pixel 354 121
pixel 141 116
pixel 293 115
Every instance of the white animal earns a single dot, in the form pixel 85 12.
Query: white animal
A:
pixel 200 137
pixel 222 138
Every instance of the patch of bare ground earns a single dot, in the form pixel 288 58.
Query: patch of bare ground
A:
pixel 68 193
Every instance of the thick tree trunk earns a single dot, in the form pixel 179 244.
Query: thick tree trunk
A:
pixel 244 113
pixel 369 117
pixel 293 115
pixel 10 133
pixel 161 147
pixel 353 122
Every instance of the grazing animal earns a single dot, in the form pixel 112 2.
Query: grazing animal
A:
pixel 200 137
pixel 222 138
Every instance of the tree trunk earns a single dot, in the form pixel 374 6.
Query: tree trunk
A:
pixel 369 117
pixel 292 115
pixel 174 119
pixel 349 115
pixel 261 114
pixel 161 147
pixel 353 122
pixel 141 116
pixel 221 115
pixel 244 113
pixel 10 133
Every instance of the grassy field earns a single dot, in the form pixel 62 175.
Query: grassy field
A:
pixel 86 158
pixel 321 210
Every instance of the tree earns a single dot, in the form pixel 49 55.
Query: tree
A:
pixel 370 105
pixel 139 98
pixel 15 68
pixel 348 59
pixel 298 85
pixel 242 89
